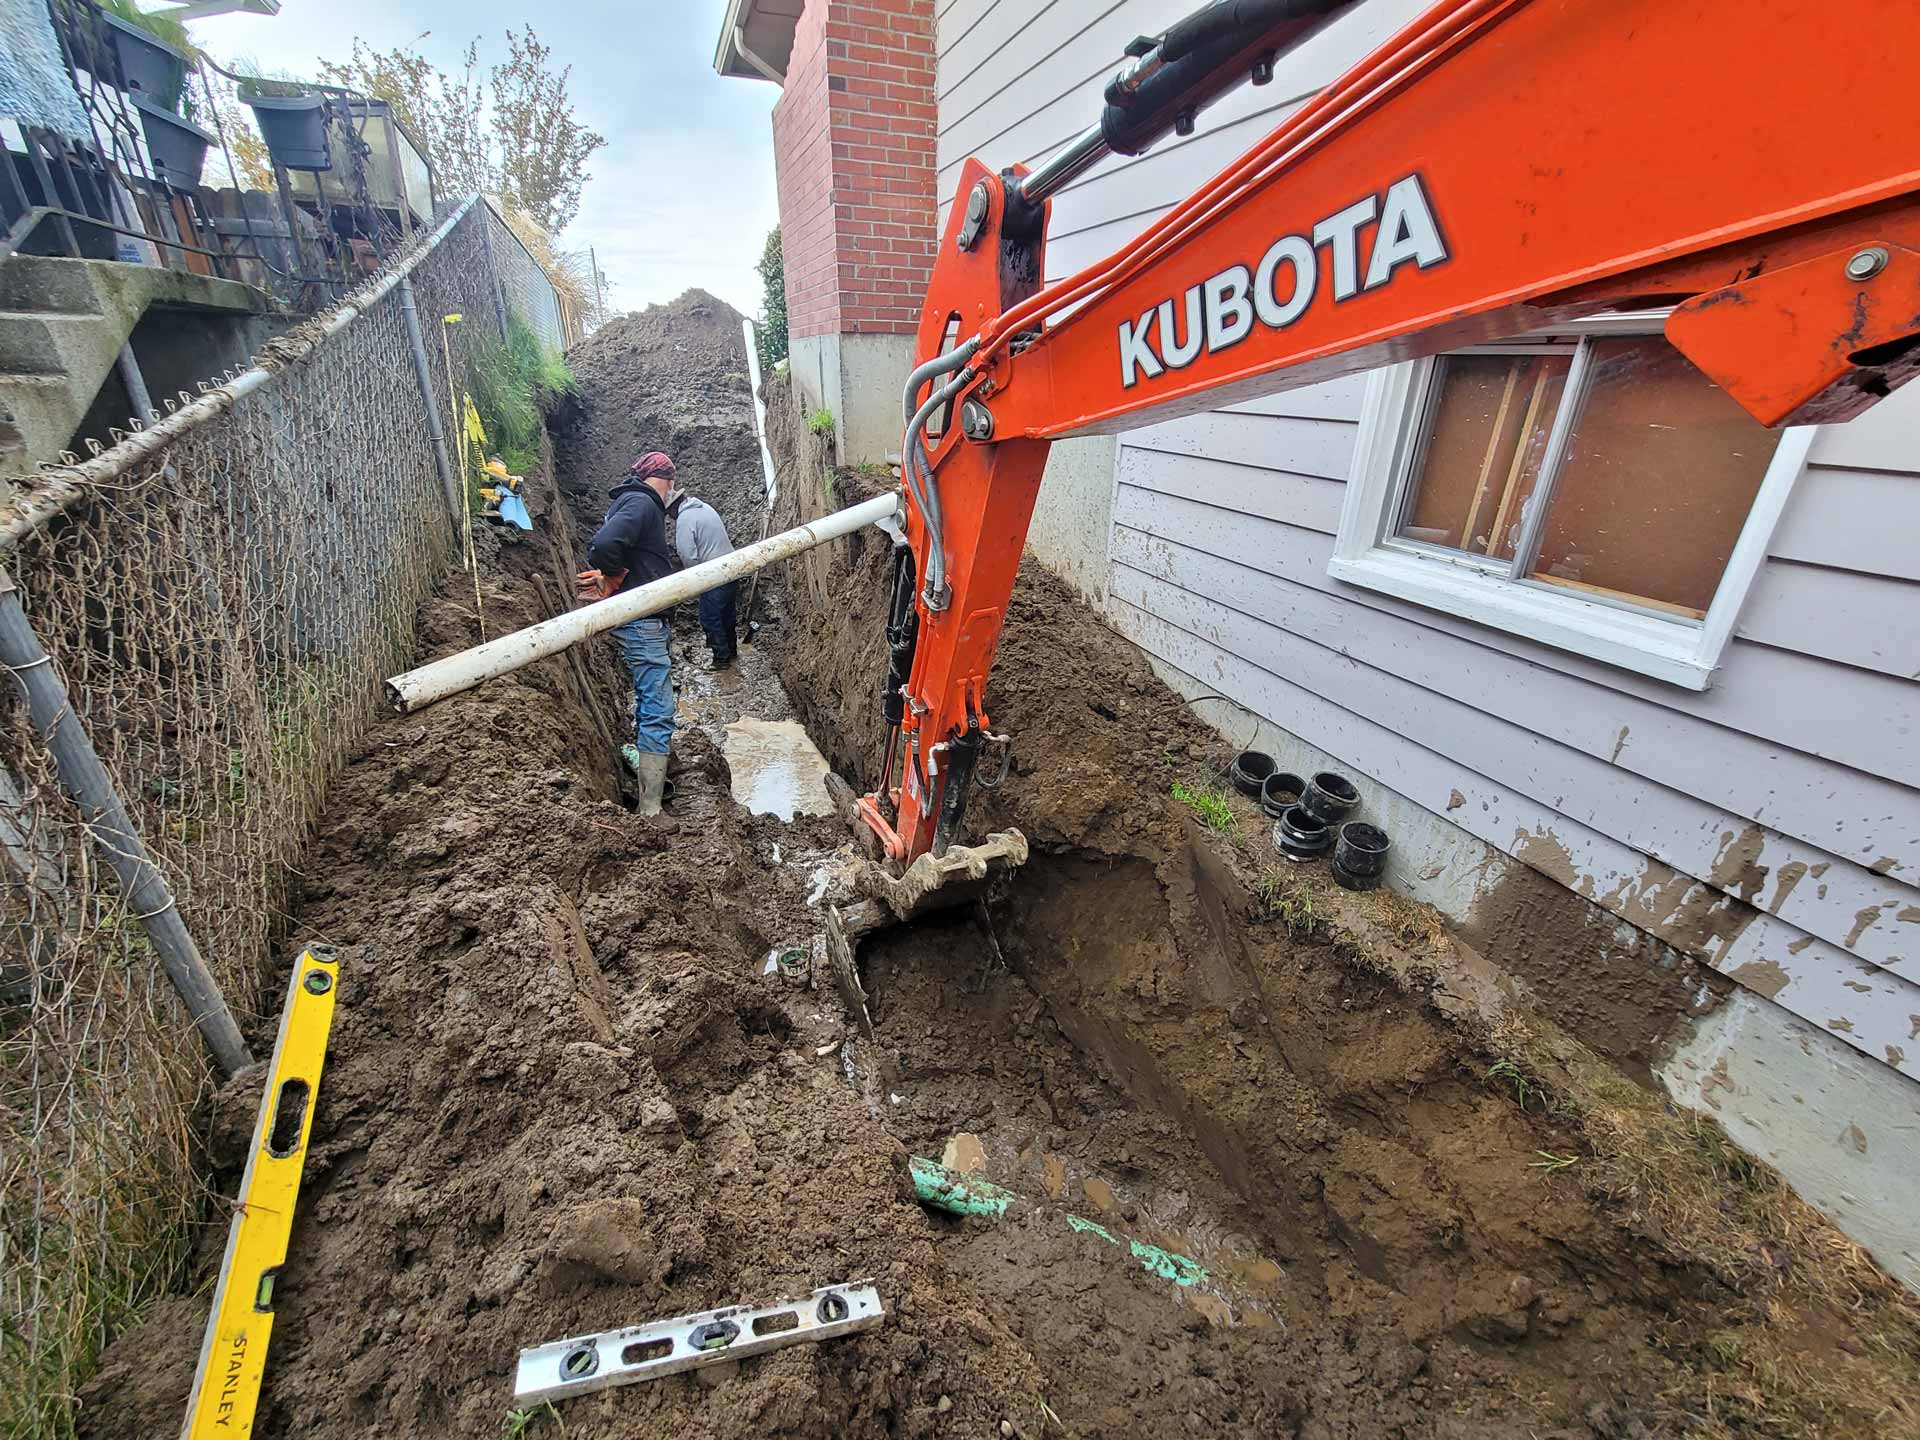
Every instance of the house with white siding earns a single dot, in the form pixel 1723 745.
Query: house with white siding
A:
pixel 1631 680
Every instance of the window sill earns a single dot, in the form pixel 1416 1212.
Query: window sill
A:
pixel 1666 650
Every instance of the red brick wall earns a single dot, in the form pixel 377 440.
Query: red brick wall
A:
pixel 853 139
pixel 803 168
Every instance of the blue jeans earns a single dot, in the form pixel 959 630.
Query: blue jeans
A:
pixel 643 645
pixel 718 619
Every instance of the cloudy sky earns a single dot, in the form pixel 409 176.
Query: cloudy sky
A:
pixel 683 193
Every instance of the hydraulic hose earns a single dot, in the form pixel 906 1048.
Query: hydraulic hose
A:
pixel 1211 52
pixel 1420 43
pixel 914 466
pixel 926 493
pixel 939 365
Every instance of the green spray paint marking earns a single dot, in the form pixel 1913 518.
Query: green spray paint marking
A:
pixel 1167 1264
pixel 943 1189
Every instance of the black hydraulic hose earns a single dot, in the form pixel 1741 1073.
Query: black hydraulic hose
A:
pixel 1228 18
pixel 903 633
pixel 1200 59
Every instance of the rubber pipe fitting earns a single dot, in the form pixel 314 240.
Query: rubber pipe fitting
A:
pixel 1250 770
pixel 1360 855
pixel 1280 792
pixel 1301 836
pixel 1331 797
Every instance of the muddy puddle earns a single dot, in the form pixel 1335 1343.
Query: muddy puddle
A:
pixel 777 769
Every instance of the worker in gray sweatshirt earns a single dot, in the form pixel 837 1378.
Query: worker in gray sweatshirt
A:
pixel 695 535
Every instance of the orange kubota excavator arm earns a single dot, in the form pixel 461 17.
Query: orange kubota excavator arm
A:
pixel 1498 166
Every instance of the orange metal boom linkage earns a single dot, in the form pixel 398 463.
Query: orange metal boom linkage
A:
pixel 1498 166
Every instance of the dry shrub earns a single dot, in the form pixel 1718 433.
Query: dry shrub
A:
pixel 569 272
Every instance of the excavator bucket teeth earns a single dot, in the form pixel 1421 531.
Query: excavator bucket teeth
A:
pixel 959 877
pixel 940 882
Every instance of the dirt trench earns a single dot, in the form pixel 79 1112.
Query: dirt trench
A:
pixel 563 1095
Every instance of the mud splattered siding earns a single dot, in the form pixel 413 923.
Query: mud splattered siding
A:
pixel 1769 826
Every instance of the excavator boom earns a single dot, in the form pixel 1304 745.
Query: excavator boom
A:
pixel 1496 167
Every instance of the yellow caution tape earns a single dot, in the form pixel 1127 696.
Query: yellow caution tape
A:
pixel 476 428
pixel 233 1356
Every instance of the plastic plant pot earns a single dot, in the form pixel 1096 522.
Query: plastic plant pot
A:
pixel 1279 793
pixel 153 70
pixel 295 129
pixel 1301 835
pixel 1360 855
pixel 1330 796
pixel 178 148
pixel 1250 770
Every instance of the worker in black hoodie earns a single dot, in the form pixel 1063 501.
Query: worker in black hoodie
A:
pixel 630 549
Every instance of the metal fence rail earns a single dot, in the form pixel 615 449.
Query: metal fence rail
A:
pixel 222 604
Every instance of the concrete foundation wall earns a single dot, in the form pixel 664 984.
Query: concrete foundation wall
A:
pixel 1073 517
pixel 1844 1131
pixel 814 363
pixel 859 378
pixel 873 373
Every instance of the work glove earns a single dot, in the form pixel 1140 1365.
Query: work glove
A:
pixel 591 585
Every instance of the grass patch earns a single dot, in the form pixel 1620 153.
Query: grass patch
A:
pixel 820 422
pixel 1280 897
pixel 514 383
pixel 524 1422
pixel 1208 803
pixel 1509 1076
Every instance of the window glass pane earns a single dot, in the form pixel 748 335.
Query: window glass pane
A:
pixel 1660 470
pixel 1486 430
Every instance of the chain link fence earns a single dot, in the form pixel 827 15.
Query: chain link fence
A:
pixel 222 611
pixel 525 289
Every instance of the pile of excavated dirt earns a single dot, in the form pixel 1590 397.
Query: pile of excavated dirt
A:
pixel 561 1096
pixel 674 378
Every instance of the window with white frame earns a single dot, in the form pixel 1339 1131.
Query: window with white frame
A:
pixel 1586 487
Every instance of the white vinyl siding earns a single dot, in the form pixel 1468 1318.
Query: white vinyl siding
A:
pixel 1772 820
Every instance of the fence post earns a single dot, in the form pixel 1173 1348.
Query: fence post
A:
pixel 424 374
pixel 493 266
pixel 86 780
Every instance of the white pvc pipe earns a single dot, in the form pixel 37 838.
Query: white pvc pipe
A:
pixel 449 676
pixel 759 407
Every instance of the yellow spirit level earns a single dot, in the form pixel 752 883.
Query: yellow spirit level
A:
pixel 233 1356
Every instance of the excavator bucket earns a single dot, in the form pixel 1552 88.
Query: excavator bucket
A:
pixel 873 899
